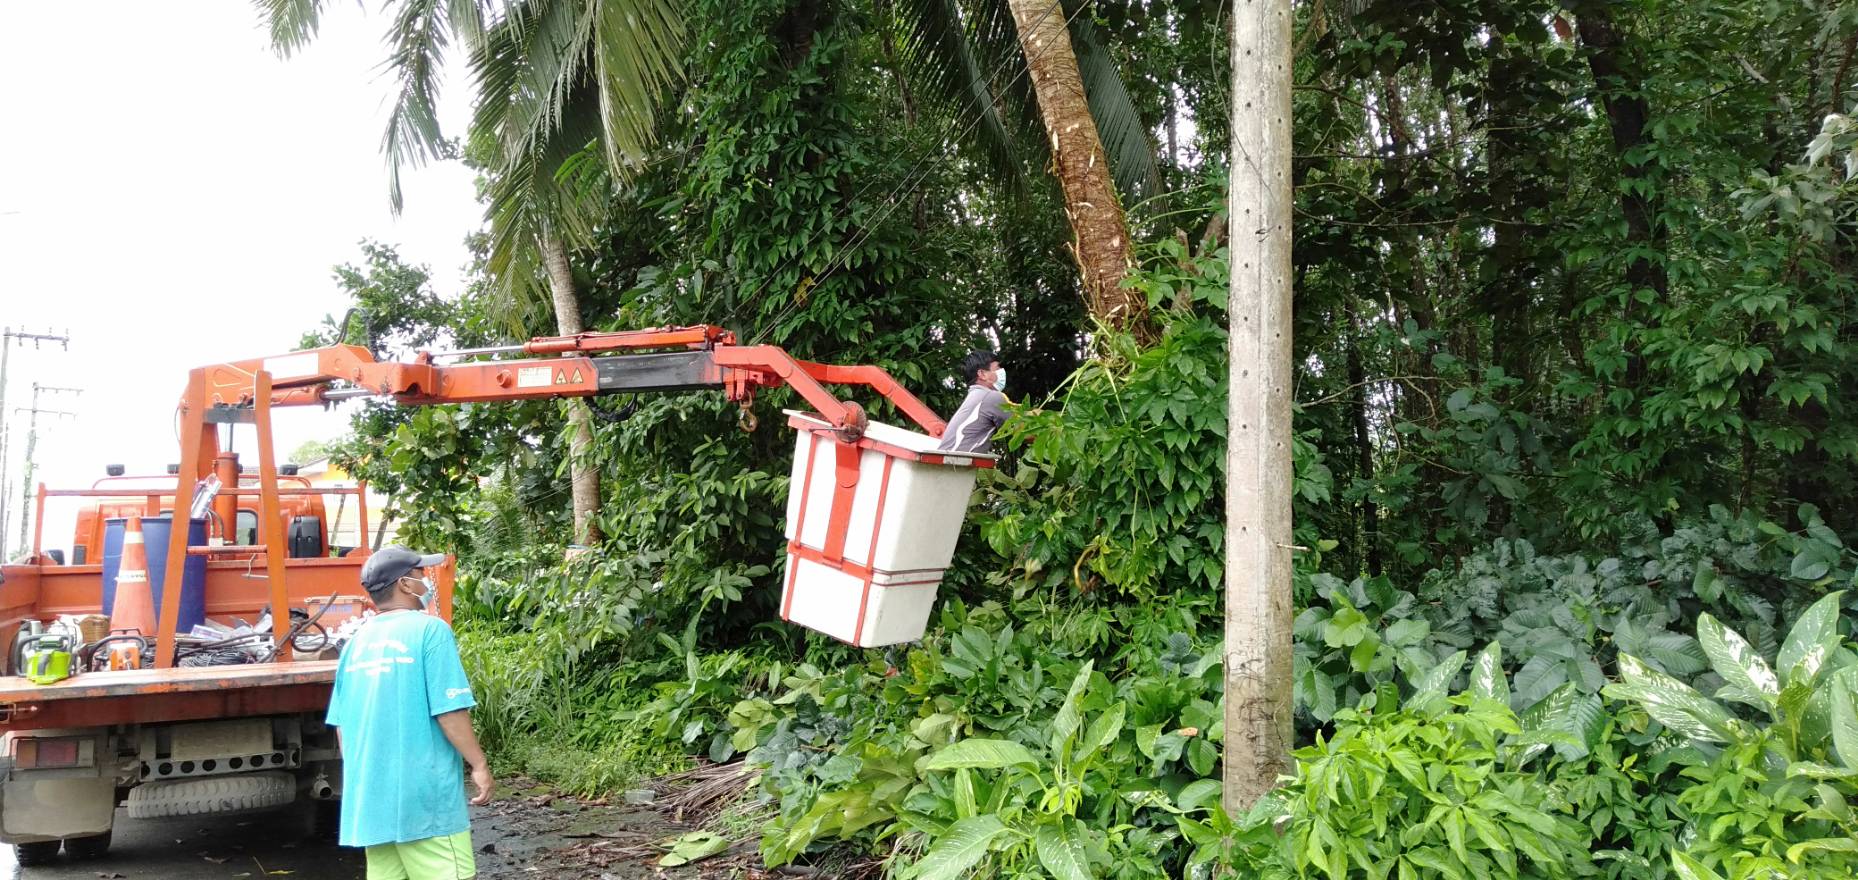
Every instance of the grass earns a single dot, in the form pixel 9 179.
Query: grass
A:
pixel 580 771
pixel 531 721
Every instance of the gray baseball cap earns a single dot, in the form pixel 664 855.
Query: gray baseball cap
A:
pixel 391 563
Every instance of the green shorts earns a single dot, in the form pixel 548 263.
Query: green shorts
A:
pixel 434 858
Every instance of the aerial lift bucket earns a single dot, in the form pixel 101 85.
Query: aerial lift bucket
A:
pixel 871 529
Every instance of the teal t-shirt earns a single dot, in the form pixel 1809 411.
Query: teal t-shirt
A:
pixel 401 778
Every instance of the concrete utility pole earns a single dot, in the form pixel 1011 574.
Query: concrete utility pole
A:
pixel 1258 450
pixel 32 442
pixel 7 337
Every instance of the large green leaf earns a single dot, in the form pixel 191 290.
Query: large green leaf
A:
pixel 1104 729
pixel 1813 639
pixel 1198 794
pixel 1540 676
pixel 1581 716
pixel 1688 868
pixel 960 849
pixel 1845 718
pixel 1738 663
pixel 1824 844
pixel 1066 722
pixel 985 754
pixel 1439 677
pixel 1487 678
pixel 1673 703
pixel 1061 850
pixel 694 847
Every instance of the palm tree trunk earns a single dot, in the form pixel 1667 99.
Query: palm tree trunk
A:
pixel 583 477
pixel 1102 235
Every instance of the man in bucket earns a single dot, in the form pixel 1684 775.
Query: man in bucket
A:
pixel 983 411
pixel 402 713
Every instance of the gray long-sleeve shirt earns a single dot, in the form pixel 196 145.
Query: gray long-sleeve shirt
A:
pixel 980 415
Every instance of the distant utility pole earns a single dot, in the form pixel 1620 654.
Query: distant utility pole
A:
pixel 8 336
pixel 32 442
pixel 1258 451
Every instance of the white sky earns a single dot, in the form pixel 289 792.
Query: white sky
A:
pixel 173 194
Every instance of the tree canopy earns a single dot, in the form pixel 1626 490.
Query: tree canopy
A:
pixel 1573 299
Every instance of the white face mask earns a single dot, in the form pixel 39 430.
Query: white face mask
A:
pixel 425 599
pixel 1000 380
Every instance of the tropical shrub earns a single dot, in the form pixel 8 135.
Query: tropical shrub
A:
pixel 1772 762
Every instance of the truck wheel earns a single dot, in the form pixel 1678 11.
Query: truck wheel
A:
pixel 92 847
pixel 39 853
pixel 218 794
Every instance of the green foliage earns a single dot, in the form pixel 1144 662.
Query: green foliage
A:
pixel 1355 642
pixel 1768 785
pixel 997 803
pixel 986 748
pixel 1424 791
pixel 1120 485
pixel 1136 451
pixel 394 311
pixel 1573 290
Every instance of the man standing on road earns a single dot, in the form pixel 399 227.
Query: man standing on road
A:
pixel 401 709
pixel 984 411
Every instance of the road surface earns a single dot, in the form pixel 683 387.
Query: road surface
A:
pixel 521 834
pixel 276 844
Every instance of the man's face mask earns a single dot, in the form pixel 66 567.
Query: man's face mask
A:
pixel 425 599
pixel 1000 379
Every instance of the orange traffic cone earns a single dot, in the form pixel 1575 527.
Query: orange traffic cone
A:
pixel 133 610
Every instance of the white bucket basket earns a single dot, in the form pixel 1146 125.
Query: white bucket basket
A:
pixel 871 528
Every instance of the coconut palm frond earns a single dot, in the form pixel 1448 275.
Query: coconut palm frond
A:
pixel 1126 139
pixel 638 54
pixel 557 189
pixel 420 33
pixel 938 59
pixel 291 23
pixel 565 86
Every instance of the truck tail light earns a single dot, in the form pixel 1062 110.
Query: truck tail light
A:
pixel 50 752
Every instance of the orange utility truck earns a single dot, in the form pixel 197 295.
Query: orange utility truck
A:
pixel 203 721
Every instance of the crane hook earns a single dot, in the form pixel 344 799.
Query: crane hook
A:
pixel 745 419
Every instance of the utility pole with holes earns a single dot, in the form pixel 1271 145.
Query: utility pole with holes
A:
pixel 32 442
pixel 1258 446
pixel 8 336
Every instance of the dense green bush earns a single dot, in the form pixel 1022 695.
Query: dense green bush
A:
pixel 1065 718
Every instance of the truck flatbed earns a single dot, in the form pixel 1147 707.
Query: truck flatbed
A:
pixel 145 696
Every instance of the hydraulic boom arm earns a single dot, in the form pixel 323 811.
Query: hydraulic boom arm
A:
pixel 584 365
pixel 669 359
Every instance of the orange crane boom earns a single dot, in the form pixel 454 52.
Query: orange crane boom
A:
pixel 692 358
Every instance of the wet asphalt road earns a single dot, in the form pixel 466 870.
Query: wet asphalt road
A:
pixel 278 844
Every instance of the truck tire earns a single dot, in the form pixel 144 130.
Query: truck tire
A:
pixel 38 853
pixel 217 794
pixel 92 847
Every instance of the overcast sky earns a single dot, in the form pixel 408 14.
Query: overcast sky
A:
pixel 174 195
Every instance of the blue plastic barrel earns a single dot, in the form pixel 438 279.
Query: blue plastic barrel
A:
pixel 155 533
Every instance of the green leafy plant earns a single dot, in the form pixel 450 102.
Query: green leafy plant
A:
pixel 1424 789
pixel 997 801
pixel 1773 760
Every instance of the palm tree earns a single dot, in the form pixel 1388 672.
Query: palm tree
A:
pixel 1102 245
pixel 1080 104
pixel 567 102
pixel 557 81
